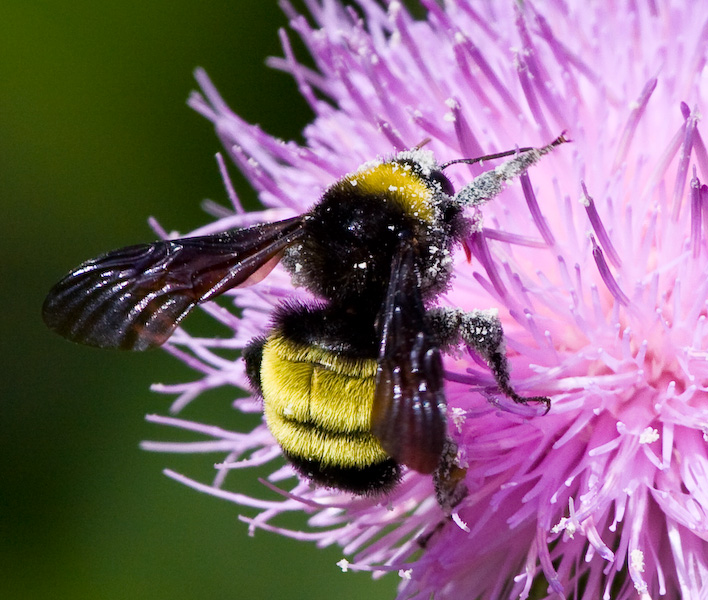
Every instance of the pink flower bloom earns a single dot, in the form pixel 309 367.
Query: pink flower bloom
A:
pixel 597 263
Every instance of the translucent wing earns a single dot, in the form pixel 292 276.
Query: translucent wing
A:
pixel 408 415
pixel 133 298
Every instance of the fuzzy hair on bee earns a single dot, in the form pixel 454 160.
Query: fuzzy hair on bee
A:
pixel 352 384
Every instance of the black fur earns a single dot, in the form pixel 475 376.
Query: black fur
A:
pixel 253 357
pixel 372 480
pixel 347 332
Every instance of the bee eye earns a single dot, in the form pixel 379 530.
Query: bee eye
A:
pixel 445 184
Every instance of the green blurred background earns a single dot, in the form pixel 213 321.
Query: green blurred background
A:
pixel 95 136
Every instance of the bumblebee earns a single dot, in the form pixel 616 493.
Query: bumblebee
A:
pixel 352 384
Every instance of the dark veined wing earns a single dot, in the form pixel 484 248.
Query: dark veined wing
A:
pixel 133 298
pixel 408 415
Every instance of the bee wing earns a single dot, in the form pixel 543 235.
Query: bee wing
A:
pixel 133 298
pixel 408 415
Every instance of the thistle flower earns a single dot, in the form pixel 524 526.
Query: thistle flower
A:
pixel 596 261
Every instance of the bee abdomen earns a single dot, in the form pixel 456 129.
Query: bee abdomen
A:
pixel 317 405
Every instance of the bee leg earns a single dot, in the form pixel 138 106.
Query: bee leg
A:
pixel 482 330
pixel 449 478
pixel 253 357
pixel 450 489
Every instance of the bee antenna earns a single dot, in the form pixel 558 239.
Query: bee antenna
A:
pixel 479 159
pixel 422 143
pixel 561 139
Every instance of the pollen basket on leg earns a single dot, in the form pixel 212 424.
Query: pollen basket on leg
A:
pixel 318 404
pixel 399 184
